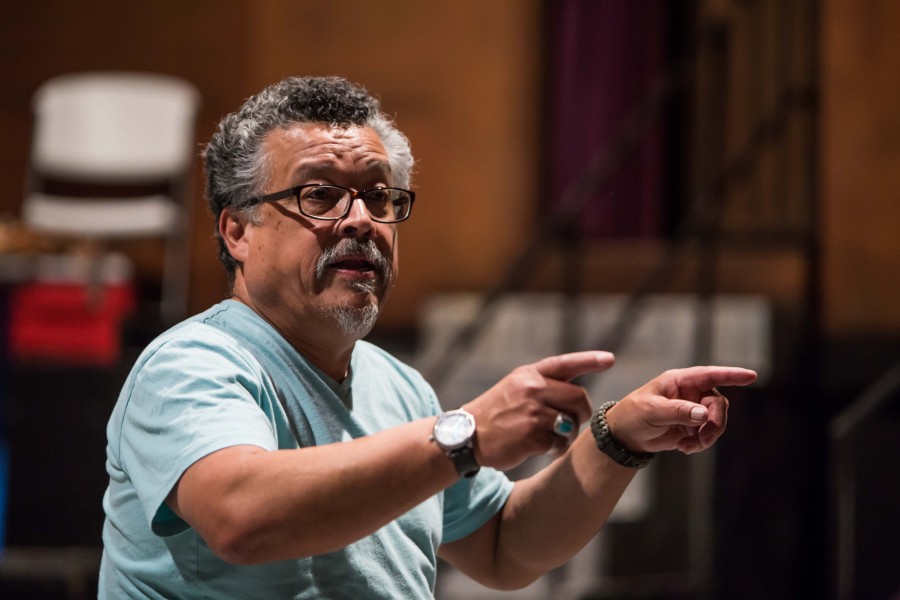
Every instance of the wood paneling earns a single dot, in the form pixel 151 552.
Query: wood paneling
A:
pixel 463 79
pixel 860 175
pixel 202 40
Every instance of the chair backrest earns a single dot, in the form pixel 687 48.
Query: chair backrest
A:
pixel 113 127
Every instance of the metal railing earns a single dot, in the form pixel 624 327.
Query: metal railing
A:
pixel 843 432
pixel 700 226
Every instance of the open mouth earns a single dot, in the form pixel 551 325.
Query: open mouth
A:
pixel 355 268
pixel 359 265
pixel 357 262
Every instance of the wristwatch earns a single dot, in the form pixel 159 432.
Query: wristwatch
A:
pixel 453 432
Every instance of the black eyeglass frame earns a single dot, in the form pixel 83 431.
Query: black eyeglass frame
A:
pixel 354 194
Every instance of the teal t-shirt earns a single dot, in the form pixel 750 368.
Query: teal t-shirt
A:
pixel 225 378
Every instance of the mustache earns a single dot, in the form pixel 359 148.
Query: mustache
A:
pixel 383 265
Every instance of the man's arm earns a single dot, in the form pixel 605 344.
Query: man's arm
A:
pixel 552 515
pixel 252 505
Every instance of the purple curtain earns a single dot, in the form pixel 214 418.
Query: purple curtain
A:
pixel 603 54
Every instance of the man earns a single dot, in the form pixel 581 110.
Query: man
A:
pixel 261 450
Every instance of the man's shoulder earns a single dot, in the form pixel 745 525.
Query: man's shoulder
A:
pixel 196 335
pixel 371 353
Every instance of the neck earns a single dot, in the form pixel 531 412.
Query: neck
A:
pixel 334 364
pixel 325 346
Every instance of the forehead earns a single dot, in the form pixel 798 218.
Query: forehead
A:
pixel 306 150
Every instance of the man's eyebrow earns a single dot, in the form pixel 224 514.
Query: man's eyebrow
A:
pixel 326 169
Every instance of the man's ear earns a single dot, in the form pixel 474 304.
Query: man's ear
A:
pixel 233 229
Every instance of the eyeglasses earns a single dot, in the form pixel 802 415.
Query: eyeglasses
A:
pixel 333 202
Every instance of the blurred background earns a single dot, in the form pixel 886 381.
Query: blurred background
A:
pixel 677 181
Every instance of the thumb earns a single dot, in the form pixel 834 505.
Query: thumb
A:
pixel 564 367
pixel 681 412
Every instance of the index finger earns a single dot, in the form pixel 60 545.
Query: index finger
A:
pixel 564 367
pixel 706 378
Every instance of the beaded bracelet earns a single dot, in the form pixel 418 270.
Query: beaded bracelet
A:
pixel 608 445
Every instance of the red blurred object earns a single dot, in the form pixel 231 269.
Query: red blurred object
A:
pixel 73 323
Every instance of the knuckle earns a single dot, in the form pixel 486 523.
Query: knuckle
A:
pixel 533 417
pixel 525 371
pixel 527 377
pixel 518 371
pixel 533 384
pixel 533 388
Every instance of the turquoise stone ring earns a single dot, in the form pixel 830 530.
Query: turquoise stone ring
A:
pixel 564 425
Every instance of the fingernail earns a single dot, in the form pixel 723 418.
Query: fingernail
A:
pixel 698 413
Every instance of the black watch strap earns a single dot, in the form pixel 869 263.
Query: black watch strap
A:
pixel 464 461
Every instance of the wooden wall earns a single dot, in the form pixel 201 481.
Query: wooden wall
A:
pixel 460 77
pixel 860 175
pixel 204 41
pixel 464 81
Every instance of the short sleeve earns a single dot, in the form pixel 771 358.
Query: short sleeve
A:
pixel 471 502
pixel 187 400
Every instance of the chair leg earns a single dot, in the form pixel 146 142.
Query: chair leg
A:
pixel 176 276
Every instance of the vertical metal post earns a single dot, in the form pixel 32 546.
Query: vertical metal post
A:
pixel 712 70
pixel 572 272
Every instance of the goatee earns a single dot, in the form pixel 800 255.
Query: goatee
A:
pixel 357 321
pixel 354 321
pixel 382 265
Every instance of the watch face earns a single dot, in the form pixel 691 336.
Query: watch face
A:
pixel 454 429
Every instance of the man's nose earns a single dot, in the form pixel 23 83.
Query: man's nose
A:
pixel 358 222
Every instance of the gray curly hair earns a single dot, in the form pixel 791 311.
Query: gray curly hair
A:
pixel 236 161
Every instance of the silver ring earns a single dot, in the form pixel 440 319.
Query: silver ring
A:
pixel 564 425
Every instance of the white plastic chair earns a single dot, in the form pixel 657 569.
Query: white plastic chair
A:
pixel 128 133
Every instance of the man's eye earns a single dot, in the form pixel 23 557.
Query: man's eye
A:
pixel 323 194
pixel 378 196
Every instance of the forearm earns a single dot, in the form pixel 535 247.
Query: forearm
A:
pixel 546 520
pixel 255 506
pixel 552 515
